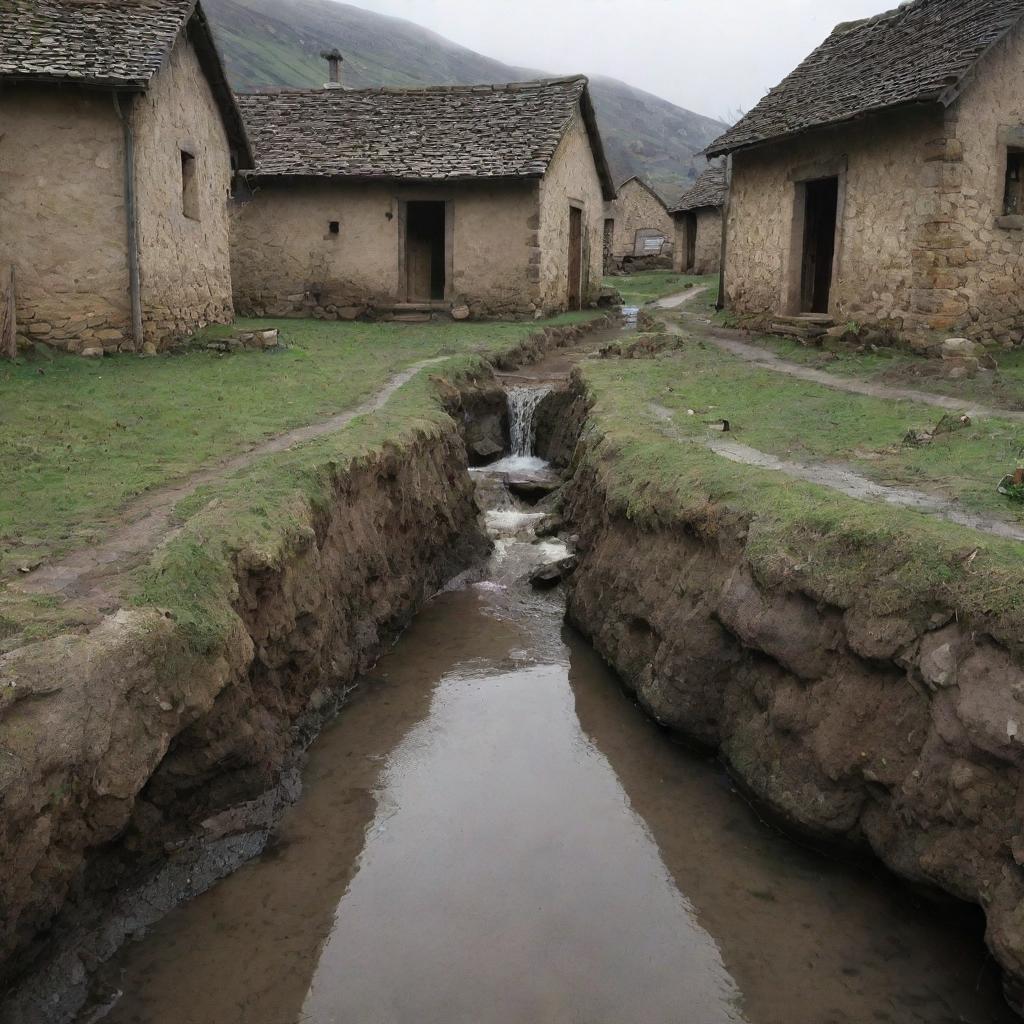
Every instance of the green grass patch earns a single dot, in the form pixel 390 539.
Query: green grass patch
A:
pixel 79 439
pixel 650 285
pixel 847 551
pixel 262 514
pixel 808 422
pixel 1003 388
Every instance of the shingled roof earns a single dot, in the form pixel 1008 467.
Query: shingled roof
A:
pixel 921 52
pixel 708 190
pixel 436 133
pixel 111 44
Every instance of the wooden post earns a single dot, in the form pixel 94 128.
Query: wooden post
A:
pixel 8 320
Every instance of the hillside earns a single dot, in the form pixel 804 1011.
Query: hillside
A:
pixel 270 43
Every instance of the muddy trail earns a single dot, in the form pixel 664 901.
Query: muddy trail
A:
pixel 94 574
pixel 835 476
pixel 732 342
pixel 493 832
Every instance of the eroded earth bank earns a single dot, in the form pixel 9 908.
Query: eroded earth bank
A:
pixel 490 830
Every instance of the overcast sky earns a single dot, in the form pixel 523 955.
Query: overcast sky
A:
pixel 738 48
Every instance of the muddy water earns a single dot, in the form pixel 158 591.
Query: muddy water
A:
pixel 491 833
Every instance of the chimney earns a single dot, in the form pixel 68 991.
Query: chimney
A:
pixel 334 59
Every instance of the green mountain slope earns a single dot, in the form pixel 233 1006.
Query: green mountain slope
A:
pixel 269 43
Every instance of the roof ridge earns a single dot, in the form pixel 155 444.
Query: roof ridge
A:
pixel 399 90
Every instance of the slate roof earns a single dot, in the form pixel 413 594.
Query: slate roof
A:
pixel 919 53
pixel 115 44
pixel 708 190
pixel 435 133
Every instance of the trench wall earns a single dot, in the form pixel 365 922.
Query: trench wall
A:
pixel 124 745
pixel 899 733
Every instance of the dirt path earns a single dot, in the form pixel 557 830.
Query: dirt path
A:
pixel 728 341
pixel 94 574
pixel 839 477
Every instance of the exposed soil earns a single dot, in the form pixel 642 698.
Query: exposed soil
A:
pixel 897 733
pixel 137 770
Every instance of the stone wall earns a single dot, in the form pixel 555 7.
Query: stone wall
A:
pixel 286 261
pixel 62 214
pixel 185 262
pixel 572 179
pixel 973 259
pixel 708 247
pixel 886 200
pixel 923 242
pixel 635 210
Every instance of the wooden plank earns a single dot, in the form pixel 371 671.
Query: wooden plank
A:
pixel 8 319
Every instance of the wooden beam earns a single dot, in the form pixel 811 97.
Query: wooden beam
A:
pixel 8 319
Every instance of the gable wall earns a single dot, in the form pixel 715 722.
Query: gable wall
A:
pixel 572 178
pixel 184 264
pixel 636 209
pixel 62 214
pixel 286 262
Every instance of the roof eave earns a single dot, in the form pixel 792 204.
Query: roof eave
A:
pixel 258 175
pixel 712 152
pixel 212 63
pixel 597 143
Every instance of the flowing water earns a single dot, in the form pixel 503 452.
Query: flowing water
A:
pixel 493 833
pixel 522 405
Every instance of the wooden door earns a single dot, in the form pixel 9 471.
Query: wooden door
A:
pixel 575 257
pixel 691 241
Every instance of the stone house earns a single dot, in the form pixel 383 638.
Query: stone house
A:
pixel 487 200
pixel 638 228
pixel 698 223
pixel 119 138
pixel 881 181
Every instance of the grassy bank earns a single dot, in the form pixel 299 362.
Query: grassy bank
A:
pixel 808 422
pixel 1003 387
pixel 845 550
pixel 79 439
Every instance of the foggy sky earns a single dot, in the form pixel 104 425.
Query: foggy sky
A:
pixel 712 57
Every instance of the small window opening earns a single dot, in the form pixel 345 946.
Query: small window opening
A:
pixel 1013 199
pixel 189 186
pixel 334 227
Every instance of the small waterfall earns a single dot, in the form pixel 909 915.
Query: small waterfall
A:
pixel 522 404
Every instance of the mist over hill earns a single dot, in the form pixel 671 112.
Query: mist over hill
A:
pixel 273 43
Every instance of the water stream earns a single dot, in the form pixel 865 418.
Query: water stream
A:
pixel 493 833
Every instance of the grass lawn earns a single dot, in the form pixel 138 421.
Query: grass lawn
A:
pixel 638 289
pixel 80 438
pixel 838 547
pixel 808 422
pixel 1004 388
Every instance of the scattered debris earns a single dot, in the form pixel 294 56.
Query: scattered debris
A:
pixel 947 425
pixel 1012 485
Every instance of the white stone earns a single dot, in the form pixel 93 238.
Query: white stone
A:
pixel 953 347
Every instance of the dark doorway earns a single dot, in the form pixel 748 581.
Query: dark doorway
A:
pixel 821 206
pixel 690 257
pixel 425 256
pixel 575 258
